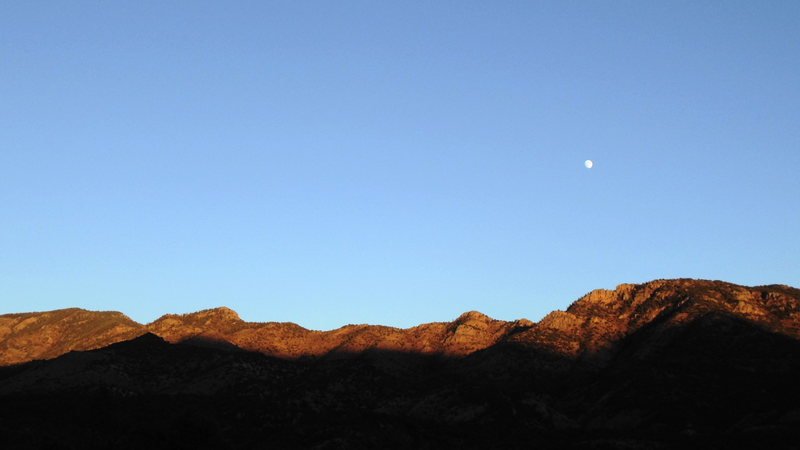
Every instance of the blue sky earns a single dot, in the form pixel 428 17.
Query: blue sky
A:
pixel 391 162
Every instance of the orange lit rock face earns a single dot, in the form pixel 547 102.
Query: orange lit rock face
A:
pixel 590 326
pixel 602 317
pixel 28 336
pixel 470 332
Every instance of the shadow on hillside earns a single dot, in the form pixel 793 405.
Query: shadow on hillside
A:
pixel 717 382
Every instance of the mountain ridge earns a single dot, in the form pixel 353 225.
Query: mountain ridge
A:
pixel 668 364
pixel 591 325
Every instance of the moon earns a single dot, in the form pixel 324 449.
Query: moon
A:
pixel 588 163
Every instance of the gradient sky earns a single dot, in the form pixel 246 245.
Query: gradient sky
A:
pixel 391 162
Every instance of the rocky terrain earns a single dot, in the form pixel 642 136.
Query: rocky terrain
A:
pixel 665 364
pixel 590 326
pixel 30 336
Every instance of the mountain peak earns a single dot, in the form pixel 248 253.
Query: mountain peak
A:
pixel 222 312
pixel 472 316
pixel 218 314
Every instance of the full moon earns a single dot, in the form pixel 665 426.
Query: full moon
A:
pixel 588 163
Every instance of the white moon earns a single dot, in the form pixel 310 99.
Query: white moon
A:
pixel 588 163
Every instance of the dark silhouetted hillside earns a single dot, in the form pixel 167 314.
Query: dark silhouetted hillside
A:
pixel 665 364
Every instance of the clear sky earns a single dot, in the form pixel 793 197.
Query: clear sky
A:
pixel 391 162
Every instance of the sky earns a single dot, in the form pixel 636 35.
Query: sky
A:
pixel 393 163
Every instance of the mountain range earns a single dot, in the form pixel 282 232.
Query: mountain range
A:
pixel 665 364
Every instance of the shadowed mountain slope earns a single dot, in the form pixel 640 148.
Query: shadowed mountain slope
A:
pixel 661 365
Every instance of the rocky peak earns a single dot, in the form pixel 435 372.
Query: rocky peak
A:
pixel 208 322
pixel 472 316
pixel 215 315
pixel 219 313
pixel 601 297
pixel 603 317
pixel 523 323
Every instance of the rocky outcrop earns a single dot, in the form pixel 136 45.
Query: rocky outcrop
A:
pixel 593 324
